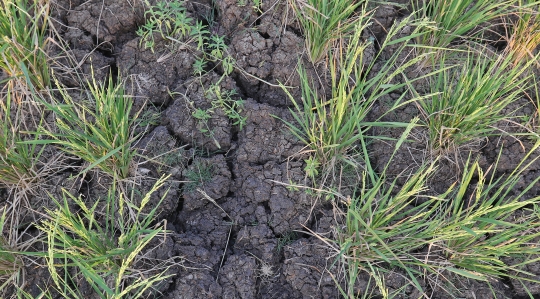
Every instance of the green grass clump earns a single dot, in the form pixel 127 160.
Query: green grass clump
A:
pixel 468 231
pixel 23 40
pixel 197 175
pixel 102 252
pixel 103 134
pixel 17 160
pixel 333 127
pixel 523 34
pixel 325 21
pixel 467 99
pixel 456 20
pixel 10 263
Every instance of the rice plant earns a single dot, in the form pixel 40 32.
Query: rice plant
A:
pixel 466 100
pixel 101 135
pixel 102 252
pixel 324 22
pixel 332 127
pixel 21 294
pixel 10 263
pixel 23 41
pixel 523 34
pixel 18 161
pixel 455 22
pixel 467 231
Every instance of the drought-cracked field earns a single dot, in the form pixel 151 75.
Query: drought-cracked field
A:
pixel 269 149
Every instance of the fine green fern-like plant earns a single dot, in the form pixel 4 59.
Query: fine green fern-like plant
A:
pixel 171 21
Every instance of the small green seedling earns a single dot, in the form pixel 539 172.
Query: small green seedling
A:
pixel 257 6
pixel 312 166
pixel 199 66
pixel 170 20
pixel 224 100
pixel 197 175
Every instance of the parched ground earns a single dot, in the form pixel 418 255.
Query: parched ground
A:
pixel 242 232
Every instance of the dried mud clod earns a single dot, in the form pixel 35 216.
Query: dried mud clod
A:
pixel 259 240
pixel 212 134
pixel 205 179
pixel 265 137
pixel 160 155
pixel 238 277
pixel 151 75
pixel 79 39
pixel 107 21
pixel 285 209
pixel 198 253
pixel 213 225
pixel 269 59
pixel 277 18
pixel 195 285
pixel 201 247
pixel 306 269
pixel 232 17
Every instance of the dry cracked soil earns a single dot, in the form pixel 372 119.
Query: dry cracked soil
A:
pixel 255 237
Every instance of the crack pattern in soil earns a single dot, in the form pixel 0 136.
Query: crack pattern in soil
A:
pixel 238 228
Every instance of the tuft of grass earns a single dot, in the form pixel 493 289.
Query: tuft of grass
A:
pixel 523 35
pixel 454 21
pixel 101 135
pixel 102 252
pixel 333 127
pixel 17 160
pixel 285 240
pixel 10 263
pixel 324 22
pixel 164 156
pixel 197 175
pixel 468 231
pixel 466 101
pixel 23 40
